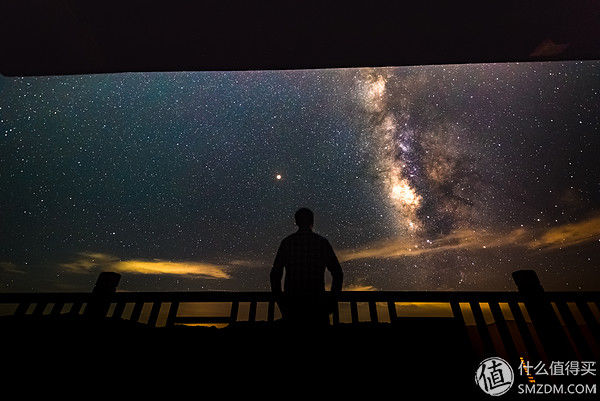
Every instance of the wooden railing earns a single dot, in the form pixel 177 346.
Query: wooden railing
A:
pixel 539 325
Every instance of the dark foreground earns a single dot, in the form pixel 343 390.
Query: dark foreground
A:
pixel 410 359
pixel 419 357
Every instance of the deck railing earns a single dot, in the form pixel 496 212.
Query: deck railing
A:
pixel 532 323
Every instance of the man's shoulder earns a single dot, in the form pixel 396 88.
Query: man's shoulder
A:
pixel 295 236
pixel 320 237
pixel 290 238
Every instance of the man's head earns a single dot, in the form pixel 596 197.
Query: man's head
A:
pixel 304 218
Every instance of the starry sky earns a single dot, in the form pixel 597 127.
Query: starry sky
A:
pixel 422 178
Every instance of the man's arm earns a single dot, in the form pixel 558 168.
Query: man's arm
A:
pixel 333 265
pixel 277 270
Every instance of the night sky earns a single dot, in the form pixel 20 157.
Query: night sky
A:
pixel 437 177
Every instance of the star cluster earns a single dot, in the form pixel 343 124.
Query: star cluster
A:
pixel 433 177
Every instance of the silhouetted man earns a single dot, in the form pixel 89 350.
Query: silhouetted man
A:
pixel 305 256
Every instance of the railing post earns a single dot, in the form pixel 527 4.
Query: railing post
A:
pixel 271 311
pixel 392 311
pixel 505 336
pixel 534 351
pixel 76 308
pixel 354 311
pixel 373 312
pixel 99 302
pixel 459 318
pixel 252 312
pixel 39 308
pixel 137 311
pixel 154 313
pixel 542 315
pixel 588 317
pixel 118 313
pixel 235 305
pixel 57 308
pixel 173 309
pixel 579 342
pixel 22 309
pixel 482 328
pixel 336 312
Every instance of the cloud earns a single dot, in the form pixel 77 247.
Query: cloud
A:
pixel 353 287
pixel 415 246
pixel 358 287
pixel 548 49
pixel 158 266
pixel 569 234
pixel 87 261
pixel 556 237
pixel 10 267
pixel 247 263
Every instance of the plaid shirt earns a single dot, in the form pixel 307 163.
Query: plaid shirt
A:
pixel 305 255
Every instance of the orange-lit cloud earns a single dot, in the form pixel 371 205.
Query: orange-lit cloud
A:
pixel 548 49
pixel 158 266
pixel 569 234
pixel 10 267
pixel 556 237
pixel 88 261
pixel 358 287
pixel 247 263
pixel 459 239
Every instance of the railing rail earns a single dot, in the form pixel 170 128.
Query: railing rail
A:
pixel 344 296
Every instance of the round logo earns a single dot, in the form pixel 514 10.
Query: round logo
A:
pixel 494 376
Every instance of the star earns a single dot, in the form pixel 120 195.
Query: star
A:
pixel 422 178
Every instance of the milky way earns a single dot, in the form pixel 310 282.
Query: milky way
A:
pixel 434 177
pixel 426 172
